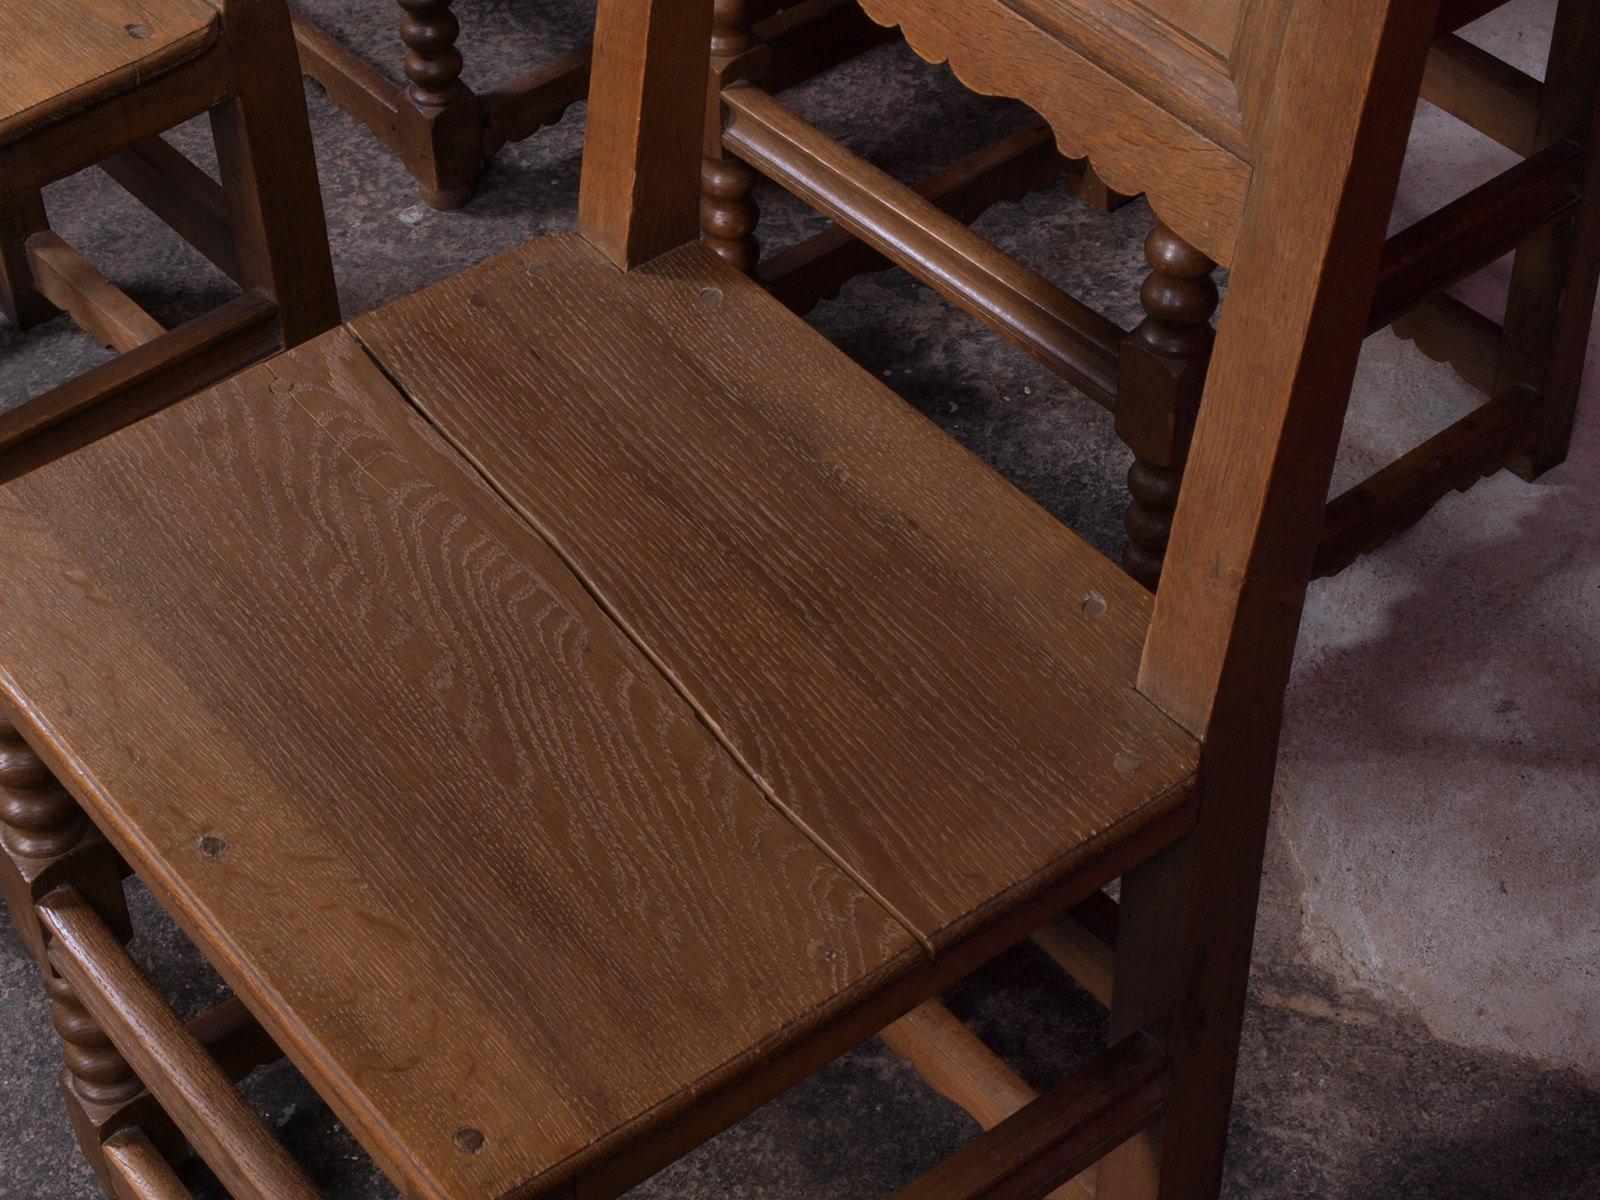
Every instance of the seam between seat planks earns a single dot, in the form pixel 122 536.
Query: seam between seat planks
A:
pixel 702 714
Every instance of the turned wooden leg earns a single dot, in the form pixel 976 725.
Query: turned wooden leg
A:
pixel 441 121
pixel 49 842
pixel 1552 298
pixel 20 218
pixel 46 841
pixel 728 212
pixel 269 173
pixel 1161 378
pixel 100 1089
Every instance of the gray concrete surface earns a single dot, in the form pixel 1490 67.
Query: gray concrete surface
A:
pixel 1425 1015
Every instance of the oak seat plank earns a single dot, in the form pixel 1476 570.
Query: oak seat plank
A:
pixel 533 666
pixel 99 47
pixel 440 825
pixel 924 666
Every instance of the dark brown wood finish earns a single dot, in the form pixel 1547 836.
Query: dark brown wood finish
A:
pixel 1550 309
pixel 148 1037
pixel 1162 376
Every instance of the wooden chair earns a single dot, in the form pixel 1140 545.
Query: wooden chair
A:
pixel 1163 101
pixel 445 133
pixel 573 703
pixel 97 82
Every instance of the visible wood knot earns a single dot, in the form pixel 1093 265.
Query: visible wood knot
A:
pixel 212 846
pixel 1094 605
pixel 469 1140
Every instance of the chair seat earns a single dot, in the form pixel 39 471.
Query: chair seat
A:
pixel 551 699
pixel 62 54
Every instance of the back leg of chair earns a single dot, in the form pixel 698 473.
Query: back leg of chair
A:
pixel 728 212
pixel 1552 296
pixel 1161 377
pixel 270 173
pixel 20 218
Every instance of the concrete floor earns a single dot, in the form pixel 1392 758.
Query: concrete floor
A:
pixel 1425 1014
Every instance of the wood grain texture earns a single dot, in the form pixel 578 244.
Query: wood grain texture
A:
pixel 1153 135
pixel 63 53
pixel 433 817
pixel 925 667
pixel 138 1171
pixel 647 114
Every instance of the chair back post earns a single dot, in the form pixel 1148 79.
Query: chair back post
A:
pixel 1250 514
pixel 648 93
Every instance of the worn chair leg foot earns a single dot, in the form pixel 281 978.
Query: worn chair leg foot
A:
pixel 1551 304
pixel 440 120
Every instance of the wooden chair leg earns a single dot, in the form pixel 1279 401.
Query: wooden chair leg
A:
pixel 1552 298
pixel 269 173
pixel 440 119
pixel 20 299
pixel 45 841
pixel 1183 963
pixel 1161 377
pixel 728 212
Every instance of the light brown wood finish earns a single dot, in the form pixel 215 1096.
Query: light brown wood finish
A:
pixel 231 1138
pixel 1149 113
pixel 95 48
pixel 1222 637
pixel 954 1062
pixel 100 308
pixel 1058 1135
pixel 491 794
pixel 641 160
pixel 916 660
